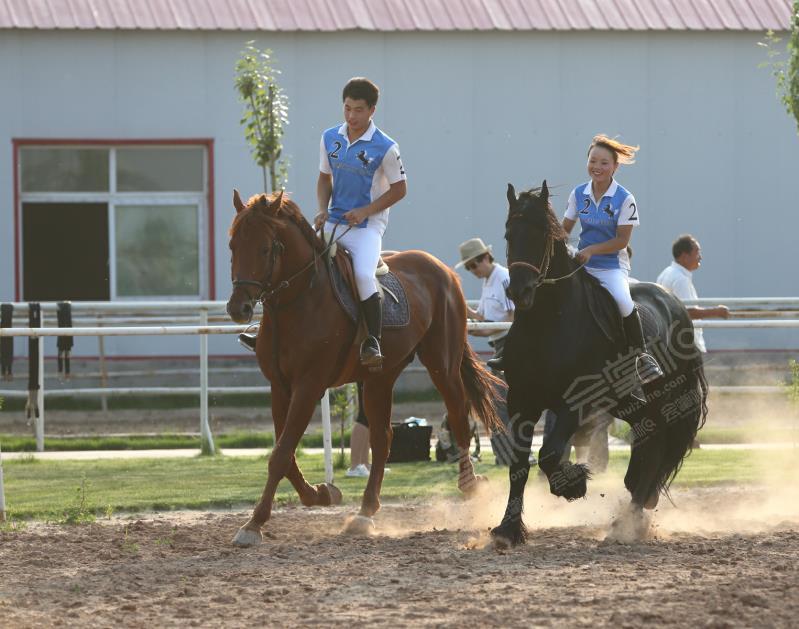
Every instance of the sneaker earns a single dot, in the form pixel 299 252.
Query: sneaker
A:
pixel 359 471
pixel 386 470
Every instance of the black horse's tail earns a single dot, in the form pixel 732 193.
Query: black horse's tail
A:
pixel 482 390
pixel 686 416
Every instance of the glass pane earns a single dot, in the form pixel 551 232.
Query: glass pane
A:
pixel 155 169
pixel 63 169
pixel 157 250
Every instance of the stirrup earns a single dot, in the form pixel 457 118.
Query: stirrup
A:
pixel 649 370
pixel 371 356
pixel 247 341
pixel 497 363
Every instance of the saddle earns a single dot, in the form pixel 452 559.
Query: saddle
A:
pixel 396 311
pixel 606 314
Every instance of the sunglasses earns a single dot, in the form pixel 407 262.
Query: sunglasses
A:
pixel 472 265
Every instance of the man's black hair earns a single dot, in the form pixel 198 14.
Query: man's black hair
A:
pixel 360 88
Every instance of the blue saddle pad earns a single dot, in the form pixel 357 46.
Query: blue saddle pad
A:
pixel 396 312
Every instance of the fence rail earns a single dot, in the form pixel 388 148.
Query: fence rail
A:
pixel 203 330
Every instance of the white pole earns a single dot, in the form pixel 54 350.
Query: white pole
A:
pixel 103 370
pixel 39 421
pixel 207 439
pixel 327 436
pixel 2 491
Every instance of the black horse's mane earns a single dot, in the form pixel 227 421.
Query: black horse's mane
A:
pixel 554 228
pixel 552 224
pixel 256 211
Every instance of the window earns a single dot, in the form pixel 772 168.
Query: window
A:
pixel 64 170
pixel 135 216
pixel 156 250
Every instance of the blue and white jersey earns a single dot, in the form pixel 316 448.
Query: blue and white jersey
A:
pixel 362 171
pixel 599 221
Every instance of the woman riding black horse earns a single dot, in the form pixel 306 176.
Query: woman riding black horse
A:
pixel 567 352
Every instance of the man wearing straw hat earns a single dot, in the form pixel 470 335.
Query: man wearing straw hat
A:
pixel 494 305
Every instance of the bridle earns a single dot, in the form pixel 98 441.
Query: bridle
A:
pixel 268 293
pixel 543 268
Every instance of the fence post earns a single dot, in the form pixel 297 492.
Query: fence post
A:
pixel 39 419
pixel 206 438
pixel 327 436
pixel 103 369
pixel 2 490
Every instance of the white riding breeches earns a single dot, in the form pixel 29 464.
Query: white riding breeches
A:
pixel 616 283
pixel 364 245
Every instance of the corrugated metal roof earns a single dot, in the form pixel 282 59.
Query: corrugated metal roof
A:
pixel 397 15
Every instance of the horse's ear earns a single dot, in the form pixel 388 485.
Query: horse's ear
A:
pixel 511 194
pixel 237 201
pixel 544 191
pixel 274 207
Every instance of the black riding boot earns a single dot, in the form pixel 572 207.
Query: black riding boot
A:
pixel 370 348
pixel 646 366
pixel 247 341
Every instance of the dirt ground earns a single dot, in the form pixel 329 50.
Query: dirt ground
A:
pixel 724 557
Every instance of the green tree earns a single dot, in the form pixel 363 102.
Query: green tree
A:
pixel 784 64
pixel 266 113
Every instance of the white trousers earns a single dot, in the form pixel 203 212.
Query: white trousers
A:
pixel 364 246
pixel 617 284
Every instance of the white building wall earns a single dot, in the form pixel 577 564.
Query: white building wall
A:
pixel 471 112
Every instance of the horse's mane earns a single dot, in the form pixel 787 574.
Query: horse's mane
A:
pixel 255 212
pixel 553 225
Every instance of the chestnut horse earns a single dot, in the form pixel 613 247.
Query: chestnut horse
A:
pixel 306 344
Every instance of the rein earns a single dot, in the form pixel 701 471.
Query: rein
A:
pixel 546 259
pixel 268 293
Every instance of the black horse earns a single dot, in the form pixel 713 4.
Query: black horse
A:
pixel 566 352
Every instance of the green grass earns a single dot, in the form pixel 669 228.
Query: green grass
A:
pixel 48 489
pixel 747 434
pixel 169 402
pixel 136 402
pixel 14 443
pixel 753 433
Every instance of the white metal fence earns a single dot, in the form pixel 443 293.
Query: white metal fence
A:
pixel 157 309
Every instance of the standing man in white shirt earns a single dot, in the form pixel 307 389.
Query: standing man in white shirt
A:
pixel 678 278
pixel 494 305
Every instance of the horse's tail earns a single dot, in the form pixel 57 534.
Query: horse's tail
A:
pixel 482 390
pixel 680 431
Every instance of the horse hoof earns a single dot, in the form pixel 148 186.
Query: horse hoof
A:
pixel 359 525
pixel 507 536
pixel 247 537
pixel 569 481
pixel 328 494
pixel 472 487
pixel 652 502
pixel 630 527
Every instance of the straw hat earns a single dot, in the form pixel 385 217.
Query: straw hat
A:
pixel 471 249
